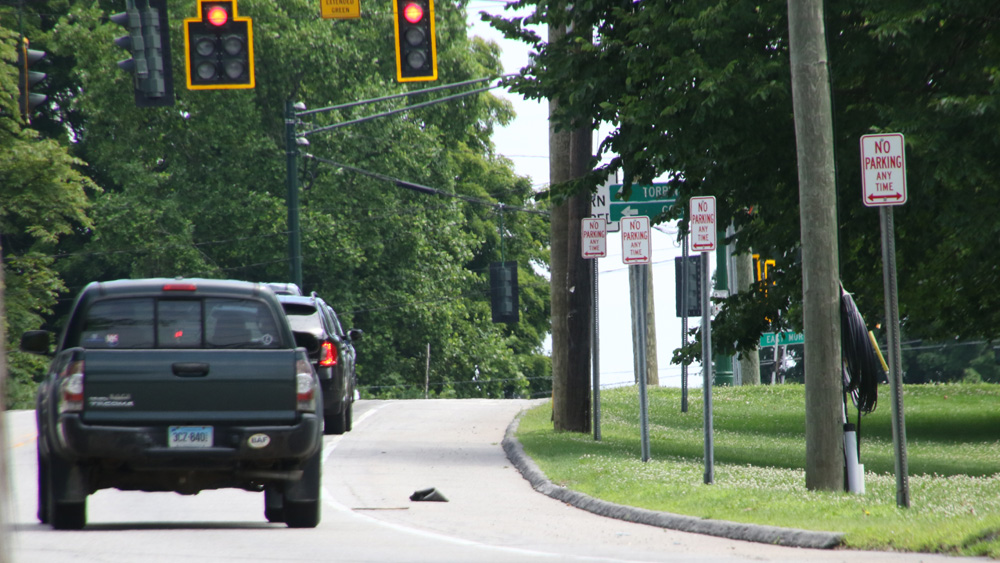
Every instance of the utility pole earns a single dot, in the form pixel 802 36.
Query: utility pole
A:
pixel 820 271
pixel 723 362
pixel 652 370
pixel 569 158
pixel 292 185
pixel 749 362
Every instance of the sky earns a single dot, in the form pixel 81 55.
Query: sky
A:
pixel 525 143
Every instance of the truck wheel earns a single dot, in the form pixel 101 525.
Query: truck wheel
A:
pixel 303 514
pixel 301 499
pixel 335 423
pixel 62 515
pixel 69 515
pixel 274 510
pixel 43 490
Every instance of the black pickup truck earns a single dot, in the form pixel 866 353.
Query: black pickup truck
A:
pixel 178 385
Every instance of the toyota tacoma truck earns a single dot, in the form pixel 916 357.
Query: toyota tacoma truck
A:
pixel 178 385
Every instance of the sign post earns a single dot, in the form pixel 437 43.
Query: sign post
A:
pixel 636 252
pixel 883 173
pixel 594 244
pixel 702 224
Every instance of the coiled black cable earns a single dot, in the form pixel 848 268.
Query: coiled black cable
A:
pixel 862 367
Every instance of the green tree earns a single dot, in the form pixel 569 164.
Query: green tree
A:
pixel 700 89
pixel 44 198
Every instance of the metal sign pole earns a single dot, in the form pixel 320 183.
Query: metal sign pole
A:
pixel 684 321
pixel 596 369
pixel 706 366
pixel 642 290
pixel 895 370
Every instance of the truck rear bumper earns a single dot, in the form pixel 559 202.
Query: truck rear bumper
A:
pixel 148 445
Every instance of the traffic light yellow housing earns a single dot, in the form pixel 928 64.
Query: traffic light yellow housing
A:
pixel 218 47
pixel 416 46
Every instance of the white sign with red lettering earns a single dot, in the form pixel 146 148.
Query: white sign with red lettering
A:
pixel 702 223
pixel 883 169
pixel 594 235
pixel 635 240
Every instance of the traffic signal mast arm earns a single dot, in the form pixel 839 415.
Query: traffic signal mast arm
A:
pixel 426 189
pixel 394 111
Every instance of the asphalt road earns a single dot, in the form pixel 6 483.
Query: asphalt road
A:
pixel 396 448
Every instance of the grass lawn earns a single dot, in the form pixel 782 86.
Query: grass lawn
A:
pixel 953 453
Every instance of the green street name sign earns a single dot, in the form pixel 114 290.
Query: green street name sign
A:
pixel 782 338
pixel 647 199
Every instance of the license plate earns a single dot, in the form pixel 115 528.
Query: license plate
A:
pixel 190 436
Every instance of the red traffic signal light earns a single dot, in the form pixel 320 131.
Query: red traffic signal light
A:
pixel 217 15
pixel 218 47
pixel 416 47
pixel 413 12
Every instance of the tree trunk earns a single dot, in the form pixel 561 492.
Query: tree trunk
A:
pixel 820 275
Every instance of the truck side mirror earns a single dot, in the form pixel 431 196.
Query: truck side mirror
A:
pixel 35 342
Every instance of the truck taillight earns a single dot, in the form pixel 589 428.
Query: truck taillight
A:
pixel 71 387
pixel 305 386
pixel 328 354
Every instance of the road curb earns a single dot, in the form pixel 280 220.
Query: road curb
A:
pixel 719 528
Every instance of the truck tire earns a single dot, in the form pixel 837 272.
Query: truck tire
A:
pixel 69 515
pixel 43 490
pixel 62 514
pixel 301 500
pixel 304 514
pixel 274 510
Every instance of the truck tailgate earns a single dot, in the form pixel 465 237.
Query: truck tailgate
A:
pixel 189 386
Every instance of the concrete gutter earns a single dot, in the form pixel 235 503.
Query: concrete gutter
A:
pixel 720 528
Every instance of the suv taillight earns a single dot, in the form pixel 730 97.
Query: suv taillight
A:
pixel 305 386
pixel 71 387
pixel 328 354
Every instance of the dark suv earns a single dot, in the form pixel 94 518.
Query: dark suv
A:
pixel 333 357
pixel 178 385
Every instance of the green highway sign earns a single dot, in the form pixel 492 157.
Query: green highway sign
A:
pixel 782 338
pixel 620 209
pixel 646 199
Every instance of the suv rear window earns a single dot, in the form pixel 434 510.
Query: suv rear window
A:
pixel 179 323
pixel 304 318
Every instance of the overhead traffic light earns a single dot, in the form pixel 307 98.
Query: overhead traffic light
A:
pixel 148 41
pixel 416 47
pixel 28 78
pixel 504 292
pixel 218 47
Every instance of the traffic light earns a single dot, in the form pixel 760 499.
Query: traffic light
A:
pixel 148 41
pixel 218 47
pixel 28 78
pixel 693 286
pixel 416 47
pixel 504 292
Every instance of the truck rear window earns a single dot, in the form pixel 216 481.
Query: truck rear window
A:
pixel 179 323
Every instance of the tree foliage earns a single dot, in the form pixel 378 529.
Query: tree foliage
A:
pixel 701 90
pixel 198 189
pixel 43 199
